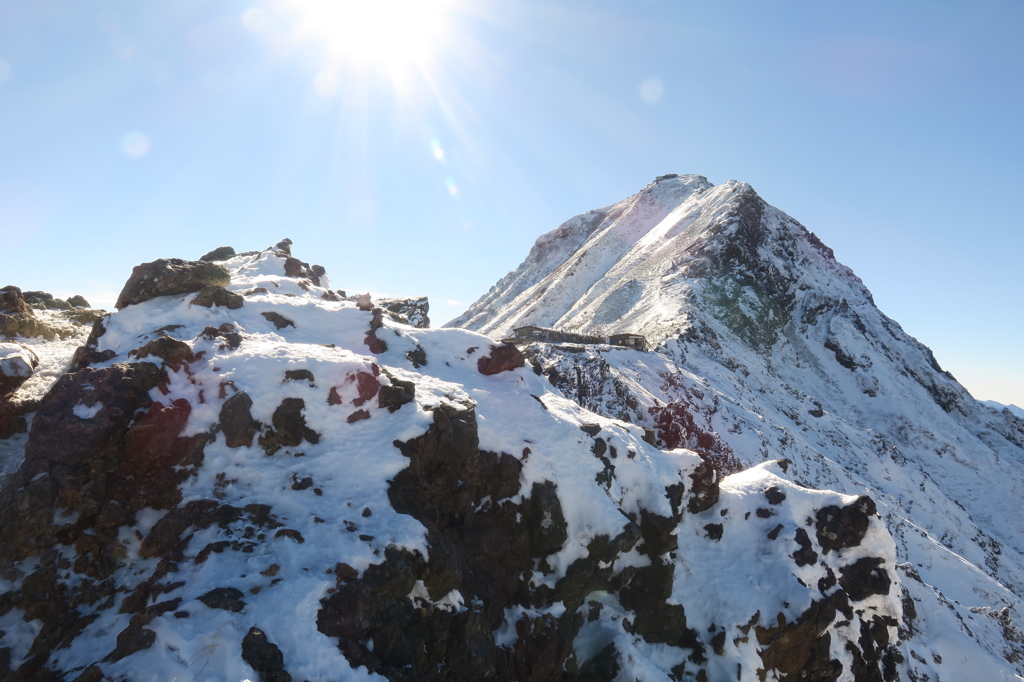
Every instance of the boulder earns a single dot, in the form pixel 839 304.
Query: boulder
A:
pixel 12 301
pixel 170 277
pixel 502 358
pixel 213 295
pixel 264 656
pixel 17 363
pixel 220 253
pixel 90 410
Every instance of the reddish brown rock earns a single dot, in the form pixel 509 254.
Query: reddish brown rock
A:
pixel 502 358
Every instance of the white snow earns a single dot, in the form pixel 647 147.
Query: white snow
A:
pixel 948 479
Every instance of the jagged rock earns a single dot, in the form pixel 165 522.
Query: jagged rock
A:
pixel 300 375
pixel 219 254
pixel 12 301
pixel 410 311
pixel 397 394
pixel 864 577
pixel 417 356
pixel 226 598
pixel 278 320
pixel 844 527
pixel 89 411
pixel 501 358
pixel 17 318
pixel 705 489
pixel 173 352
pixel 17 363
pixel 227 331
pixel 214 295
pixel 264 656
pixel 170 277
pixel 544 520
pixel 289 427
pixel 802 649
pixel 89 353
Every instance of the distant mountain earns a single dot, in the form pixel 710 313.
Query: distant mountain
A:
pixel 246 474
pixel 764 346
pixel 1014 410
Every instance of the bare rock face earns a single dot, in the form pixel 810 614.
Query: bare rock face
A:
pixel 168 277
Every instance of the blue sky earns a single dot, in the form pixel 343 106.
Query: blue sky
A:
pixel 426 156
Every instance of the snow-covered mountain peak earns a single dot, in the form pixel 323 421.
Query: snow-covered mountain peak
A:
pixel 633 266
pixel 762 345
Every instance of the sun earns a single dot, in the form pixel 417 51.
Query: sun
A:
pixel 393 35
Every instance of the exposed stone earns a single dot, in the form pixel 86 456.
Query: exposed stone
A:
pixel 227 331
pixel 12 301
pixel 212 295
pixel 17 318
pixel 805 556
pixel 299 375
pixel 278 320
pixel 173 352
pixel 397 394
pixel 89 353
pixel 501 358
pixel 17 363
pixel 218 254
pixel 802 649
pixel 840 527
pixel 410 311
pixel 704 487
pixel 417 356
pixel 132 639
pixel 114 393
pixel 264 657
pixel 226 598
pixel 289 427
pixel 544 520
pixel 864 577
pixel 170 277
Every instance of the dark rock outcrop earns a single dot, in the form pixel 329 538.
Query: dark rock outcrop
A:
pixel 501 359
pixel 170 277
pixel 219 254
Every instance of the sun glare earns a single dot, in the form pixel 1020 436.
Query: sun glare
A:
pixel 394 35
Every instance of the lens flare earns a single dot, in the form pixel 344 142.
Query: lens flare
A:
pixel 437 149
pixel 651 90
pixel 135 145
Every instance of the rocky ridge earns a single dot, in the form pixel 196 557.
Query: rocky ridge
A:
pixel 766 346
pixel 247 474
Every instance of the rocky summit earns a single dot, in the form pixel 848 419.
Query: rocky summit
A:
pixel 246 474
pixel 758 344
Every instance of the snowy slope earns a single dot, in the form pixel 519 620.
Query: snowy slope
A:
pixel 267 480
pixel 767 347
